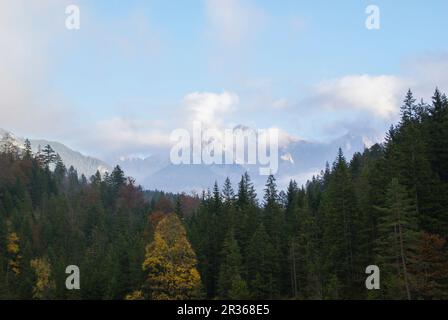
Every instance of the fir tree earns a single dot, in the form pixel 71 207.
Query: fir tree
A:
pixel 48 155
pixel 339 210
pixel 261 266
pixel 230 282
pixel 27 153
pixel 397 239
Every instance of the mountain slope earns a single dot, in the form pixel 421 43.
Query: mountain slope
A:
pixel 83 164
pixel 298 160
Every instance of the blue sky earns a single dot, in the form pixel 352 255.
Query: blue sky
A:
pixel 119 84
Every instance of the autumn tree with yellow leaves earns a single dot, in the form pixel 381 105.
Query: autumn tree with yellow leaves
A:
pixel 43 285
pixel 171 263
pixel 13 249
pixel 135 295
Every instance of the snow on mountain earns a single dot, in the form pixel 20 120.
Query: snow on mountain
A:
pixel 298 159
pixel 287 157
pixel 83 164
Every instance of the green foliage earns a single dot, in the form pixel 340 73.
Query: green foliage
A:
pixel 397 240
pixel 387 206
pixel 50 213
pixel 315 242
pixel 230 282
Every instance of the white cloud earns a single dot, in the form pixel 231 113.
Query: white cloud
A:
pixel 32 37
pixel 378 95
pixel 129 136
pixel 120 136
pixel 209 108
pixel 284 138
pixel 233 22
pixel 28 29
pixel 382 95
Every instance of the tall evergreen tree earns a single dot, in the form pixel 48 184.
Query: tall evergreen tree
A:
pixel 397 240
pixel 340 214
pixel 230 282
pixel 262 266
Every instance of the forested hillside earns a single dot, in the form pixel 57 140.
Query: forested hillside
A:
pixel 49 220
pixel 387 206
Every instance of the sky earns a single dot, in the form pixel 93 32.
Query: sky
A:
pixel 136 70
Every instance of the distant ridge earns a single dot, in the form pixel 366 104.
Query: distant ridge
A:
pixel 298 160
pixel 83 164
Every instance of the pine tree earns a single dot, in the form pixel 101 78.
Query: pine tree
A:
pixel 60 170
pixel 408 160
pixel 340 215
pixel 117 178
pixel 397 240
pixel 96 179
pixel 438 131
pixel 9 146
pixel 178 210
pixel 262 266
pixel 246 192
pixel 230 282
pixel 229 217
pixel 408 109
pixel 274 221
pixel 271 194
pixel 27 153
pixel 227 192
pixel 201 230
pixel 292 209
pixel 48 156
pixel 247 213
pixel 73 180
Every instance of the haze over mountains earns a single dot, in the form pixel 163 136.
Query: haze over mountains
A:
pixel 298 160
pixel 83 164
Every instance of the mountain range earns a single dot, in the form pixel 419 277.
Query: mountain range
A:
pixel 83 164
pixel 298 160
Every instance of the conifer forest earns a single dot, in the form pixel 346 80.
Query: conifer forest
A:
pixel 386 206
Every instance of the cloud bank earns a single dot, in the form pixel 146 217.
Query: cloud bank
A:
pixel 378 95
pixel 27 31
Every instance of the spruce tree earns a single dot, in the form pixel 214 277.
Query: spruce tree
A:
pixel 27 153
pixel 48 155
pixel 340 223
pixel 230 282
pixel 397 240
pixel 262 266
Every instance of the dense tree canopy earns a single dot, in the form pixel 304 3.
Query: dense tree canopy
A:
pixel 387 206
